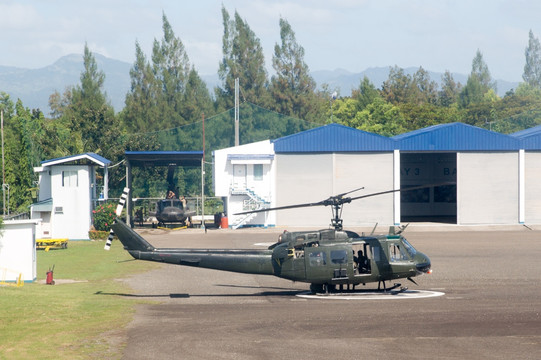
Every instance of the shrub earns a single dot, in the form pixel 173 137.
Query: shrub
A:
pixel 104 215
pixel 98 235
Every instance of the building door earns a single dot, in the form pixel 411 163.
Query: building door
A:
pixel 239 176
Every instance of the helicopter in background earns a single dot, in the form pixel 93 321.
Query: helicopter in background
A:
pixel 323 258
pixel 172 209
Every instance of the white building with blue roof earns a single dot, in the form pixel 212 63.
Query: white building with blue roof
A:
pixel 490 178
pixel 67 194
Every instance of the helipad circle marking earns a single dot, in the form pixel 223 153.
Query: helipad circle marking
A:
pixel 392 295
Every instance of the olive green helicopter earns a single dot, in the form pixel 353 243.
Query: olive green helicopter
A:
pixel 323 258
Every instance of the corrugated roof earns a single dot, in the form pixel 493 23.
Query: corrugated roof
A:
pixel 91 157
pixel 333 138
pixel 456 137
pixel 530 138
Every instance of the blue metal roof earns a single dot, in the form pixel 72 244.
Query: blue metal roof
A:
pixel 456 137
pixel 530 138
pixel 333 138
pixel 92 157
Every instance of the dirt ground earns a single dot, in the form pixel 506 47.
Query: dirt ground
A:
pixel 491 307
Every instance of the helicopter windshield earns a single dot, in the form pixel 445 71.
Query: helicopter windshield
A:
pixel 409 248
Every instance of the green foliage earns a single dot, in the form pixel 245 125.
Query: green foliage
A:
pixel 103 216
pixel 292 89
pixel 532 68
pixel 243 58
pixel 168 100
pixel 478 84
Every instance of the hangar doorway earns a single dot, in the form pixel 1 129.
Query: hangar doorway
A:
pixel 436 204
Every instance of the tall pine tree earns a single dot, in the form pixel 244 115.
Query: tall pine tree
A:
pixel 243 59
pixel 532 69
pixel 292 88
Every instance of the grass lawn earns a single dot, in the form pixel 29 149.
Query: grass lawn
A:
pixel 76 320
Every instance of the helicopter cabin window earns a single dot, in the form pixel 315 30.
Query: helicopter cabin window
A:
pixel 339 257
pixel 258 172
pixel 396 254
pixel 69 179
pixel 317 258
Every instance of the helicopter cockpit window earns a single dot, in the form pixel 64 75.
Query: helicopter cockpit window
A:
pixel 339 257
pixel 396 254
pixel 317 258
pixel 409 248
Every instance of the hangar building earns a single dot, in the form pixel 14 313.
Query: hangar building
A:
pixel 493 176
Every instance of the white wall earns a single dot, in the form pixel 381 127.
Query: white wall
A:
pixel 532 192
pixel 226 176
pixel 74 220
pixel 487 188
pixel 18 250
pixel 309 178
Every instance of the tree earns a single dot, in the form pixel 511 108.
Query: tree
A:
pixel 141 111
pixel 292 88
pixel 243 59
pixel 427 90
pixel 479 82
pixel 397 88
pixel 365 94
pixel 401 88
pixel 532 68
pixel 171 68
pixel 450 90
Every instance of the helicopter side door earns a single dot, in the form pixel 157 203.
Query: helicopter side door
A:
pixel 316 263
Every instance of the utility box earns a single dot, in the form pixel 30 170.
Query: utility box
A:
pixel 18 250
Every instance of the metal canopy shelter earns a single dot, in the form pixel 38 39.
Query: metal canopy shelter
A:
pixel 161 158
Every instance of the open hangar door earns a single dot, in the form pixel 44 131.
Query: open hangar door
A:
pixel 431 204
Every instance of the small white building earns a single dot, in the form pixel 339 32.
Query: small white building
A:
pixel 18 250
pixel 244 177
pixel 67 195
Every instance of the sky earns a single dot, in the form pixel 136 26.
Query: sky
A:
pixel 353 35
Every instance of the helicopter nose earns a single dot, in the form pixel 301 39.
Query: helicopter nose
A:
pixel 423 264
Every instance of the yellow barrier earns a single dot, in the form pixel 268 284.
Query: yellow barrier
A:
pixel 18 282
pixel 46 244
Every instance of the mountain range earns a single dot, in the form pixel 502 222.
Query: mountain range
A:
pixel 34 86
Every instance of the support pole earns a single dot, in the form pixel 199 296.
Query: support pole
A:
pixel 203 179
pixel 237 112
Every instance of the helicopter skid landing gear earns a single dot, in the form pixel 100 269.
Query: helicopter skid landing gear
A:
pixel 385 289
pixel 322 288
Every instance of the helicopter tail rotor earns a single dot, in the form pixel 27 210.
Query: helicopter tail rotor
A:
pixel 118 211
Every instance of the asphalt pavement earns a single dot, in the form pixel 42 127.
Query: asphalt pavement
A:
pixel 491 307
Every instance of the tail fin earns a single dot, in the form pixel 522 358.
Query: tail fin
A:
pixel 118 211
pixel 129 238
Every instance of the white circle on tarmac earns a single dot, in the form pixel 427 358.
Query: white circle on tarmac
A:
pixel 374 295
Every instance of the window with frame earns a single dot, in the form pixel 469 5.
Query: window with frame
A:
pixel 317 258
pixel 70 178
pixel 258 172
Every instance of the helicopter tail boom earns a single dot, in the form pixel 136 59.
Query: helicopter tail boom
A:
pixel 249 261
pixel 129 238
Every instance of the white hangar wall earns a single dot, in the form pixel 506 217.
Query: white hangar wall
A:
pixel 307 178
pixel 532 188
pixel 488 188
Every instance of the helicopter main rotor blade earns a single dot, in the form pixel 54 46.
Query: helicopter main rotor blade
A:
pixel 340 199
pixel 282 208
pixel 401 189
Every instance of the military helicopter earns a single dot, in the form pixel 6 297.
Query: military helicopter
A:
pixel 323 258
pixel 172 209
